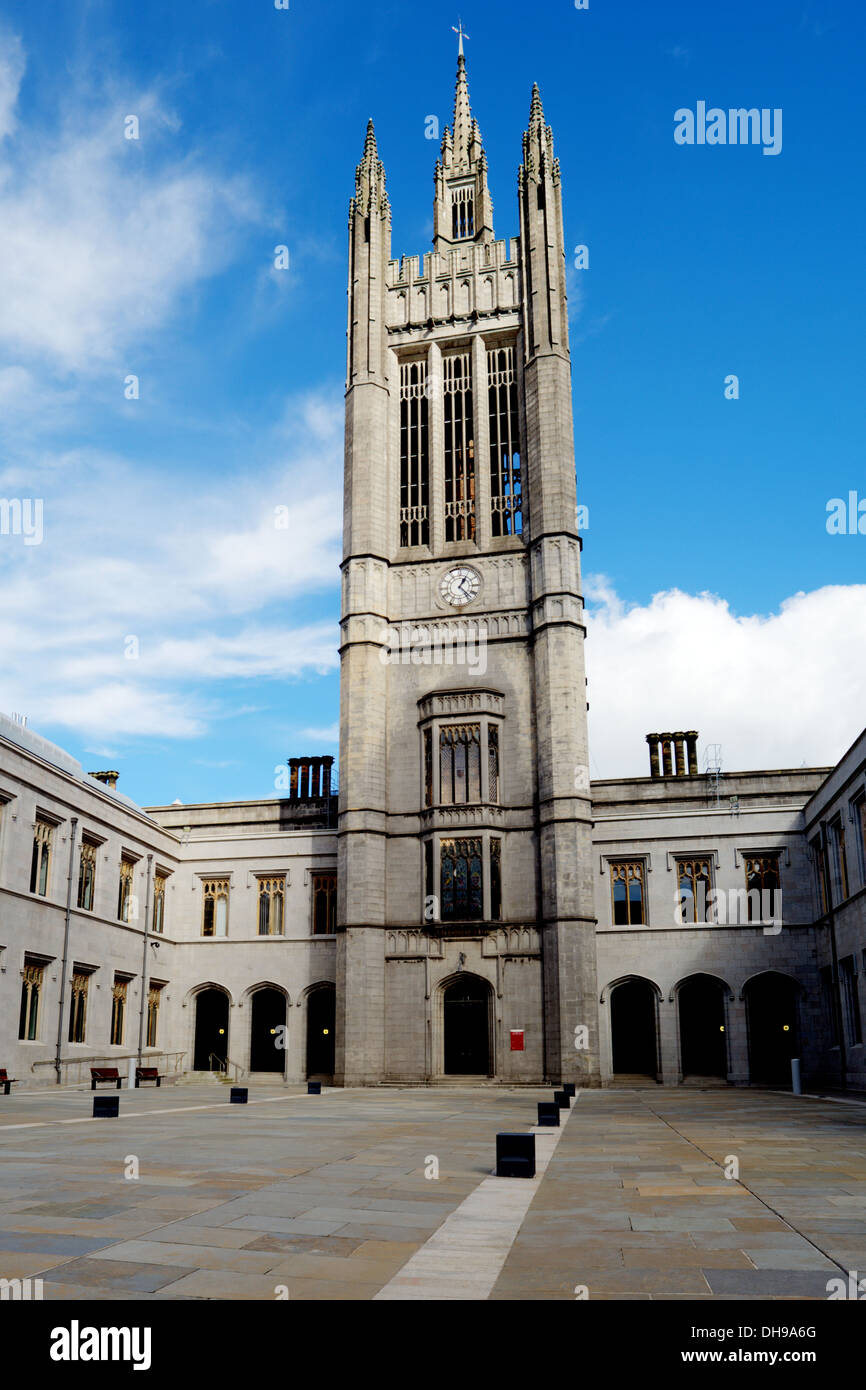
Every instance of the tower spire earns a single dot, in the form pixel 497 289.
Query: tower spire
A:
pixel 463 210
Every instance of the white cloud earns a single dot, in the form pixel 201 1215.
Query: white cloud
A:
pixel 12 65
pixel 775 690
pixel 101 236
pixel 331 734
pixel 190 573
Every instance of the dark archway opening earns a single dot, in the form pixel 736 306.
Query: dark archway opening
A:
pixel 633 1028
pixel 466 1007
pixel 211 1030
pixel 321 1018
pixel 703 1045
pixel 268 1031
pixel 771 1018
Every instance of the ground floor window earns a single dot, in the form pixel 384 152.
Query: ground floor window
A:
pixel 31 995
pixel 78 1007
pixel 153 997
pixel 118 1011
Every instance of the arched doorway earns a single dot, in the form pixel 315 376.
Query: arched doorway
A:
pixel 466 1020
pixel 633 1028
pixel 321 1018
pixel 703 1046
pixel 771 1018
pixel 211 1029
pixel 268 1031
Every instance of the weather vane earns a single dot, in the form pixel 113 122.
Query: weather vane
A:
pixel 462 34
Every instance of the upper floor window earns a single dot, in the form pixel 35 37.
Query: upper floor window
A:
pixel 215 907
pixel 627 893
pixel 859 810
pixel 324 904
pixel 414 455
pixel 124 890
pixel 462 880
pixel 462 213
pixel 40 863
pixel 468 756
pixel 693 883
pixel 86 875
pixel 158 921
pixel 763 884
pixel 506 488
pixel 838 859
pixel 459 764
pixel 271 900
pixel 819 859
pixel 459 447
pixel 32 977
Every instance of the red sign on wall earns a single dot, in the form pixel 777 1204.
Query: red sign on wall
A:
pixel 517 1040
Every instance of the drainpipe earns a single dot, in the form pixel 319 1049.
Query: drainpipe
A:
pixel 142 1013
pixel 73 826
pixel 837 988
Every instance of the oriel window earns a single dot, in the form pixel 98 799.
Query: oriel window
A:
pixel 414 455
pixel 506 490
pixel 461 880
pixel 459 447
pixel 495 879
pixel 215 907
pixel 459 764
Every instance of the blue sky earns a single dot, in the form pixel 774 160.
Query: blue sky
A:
pixel 716 595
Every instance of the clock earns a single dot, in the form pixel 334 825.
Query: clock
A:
pixel 460 586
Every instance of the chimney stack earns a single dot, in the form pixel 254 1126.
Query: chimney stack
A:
pixel 679 754
pixel 109 779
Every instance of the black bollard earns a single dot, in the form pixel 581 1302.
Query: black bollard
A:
pixel 239 1095
pixel 106 1107
pixel 560 1098
pixel 314 1088
pixel 515 1155
pixel 548 1113
pixel 569 1088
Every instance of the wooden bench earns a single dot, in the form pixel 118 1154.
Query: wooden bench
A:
pixel 7 1082
pixel 147 1074
pixel 104 1074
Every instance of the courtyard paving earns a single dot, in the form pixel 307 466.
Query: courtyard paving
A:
pixel 327 1197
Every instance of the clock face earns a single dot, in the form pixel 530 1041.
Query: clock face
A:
pixel 460 586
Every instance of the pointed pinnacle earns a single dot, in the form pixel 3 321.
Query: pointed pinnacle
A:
pixel 536 110
pixel 370 141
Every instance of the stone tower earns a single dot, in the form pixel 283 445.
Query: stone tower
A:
pixel 466 931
